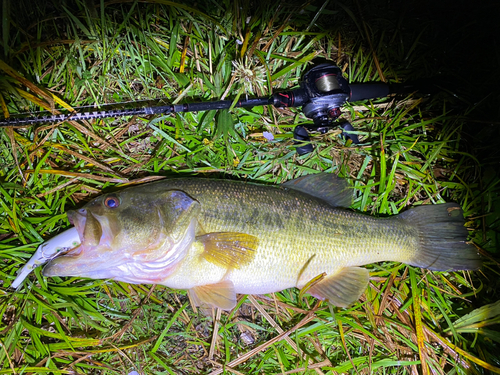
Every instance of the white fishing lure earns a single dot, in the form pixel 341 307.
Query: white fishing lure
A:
pixel 64 241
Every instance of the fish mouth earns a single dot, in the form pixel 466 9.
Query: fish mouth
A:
pixel 87 259
pixel 107 251
pixel 78 218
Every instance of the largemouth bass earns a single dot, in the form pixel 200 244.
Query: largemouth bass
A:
pixel 217 238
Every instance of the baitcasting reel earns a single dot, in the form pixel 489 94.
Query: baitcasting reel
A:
pixel 324 91
pixel 321 94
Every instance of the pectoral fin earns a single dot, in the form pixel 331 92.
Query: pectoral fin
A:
pixel 228 249
pixel 221 295
pixel 343 288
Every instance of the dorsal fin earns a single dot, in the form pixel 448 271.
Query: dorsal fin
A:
pixel 326 186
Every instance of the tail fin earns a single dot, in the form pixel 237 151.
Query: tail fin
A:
pixel 442 238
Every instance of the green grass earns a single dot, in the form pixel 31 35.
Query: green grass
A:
pixel 413 151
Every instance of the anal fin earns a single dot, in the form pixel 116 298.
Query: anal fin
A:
pixel 221 295
pixel 343 288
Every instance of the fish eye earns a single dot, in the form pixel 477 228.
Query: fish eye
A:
pixel 112 201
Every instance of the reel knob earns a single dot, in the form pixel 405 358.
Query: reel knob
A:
pixel 301 135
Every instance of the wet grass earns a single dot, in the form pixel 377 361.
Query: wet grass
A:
pixel 413 151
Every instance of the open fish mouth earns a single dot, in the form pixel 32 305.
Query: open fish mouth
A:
pixel 100 254
pixel 85 259
pixel 122 239
pixel 88 226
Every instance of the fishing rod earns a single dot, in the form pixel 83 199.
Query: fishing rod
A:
pixel 321 94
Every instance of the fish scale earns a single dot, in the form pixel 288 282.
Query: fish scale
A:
pixel 284 249
pixel 229 237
